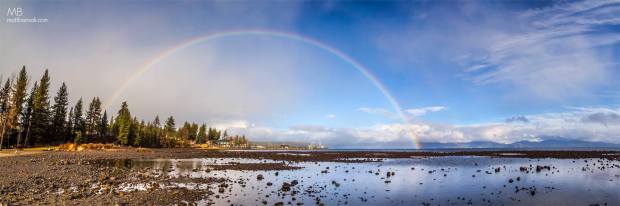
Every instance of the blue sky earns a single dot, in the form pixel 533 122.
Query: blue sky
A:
pixel 459 69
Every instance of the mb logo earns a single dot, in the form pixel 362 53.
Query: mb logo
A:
pixel 14 12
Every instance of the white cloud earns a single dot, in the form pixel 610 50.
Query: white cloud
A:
pixel 555 54
pixel 330 116
pixel 551 53
pixel 589 124
pixel 424 110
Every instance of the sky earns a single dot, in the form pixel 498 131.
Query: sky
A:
pixel 384 74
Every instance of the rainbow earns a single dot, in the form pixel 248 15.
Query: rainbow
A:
pixel 166 53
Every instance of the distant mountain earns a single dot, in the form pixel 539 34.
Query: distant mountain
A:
pixel 550 143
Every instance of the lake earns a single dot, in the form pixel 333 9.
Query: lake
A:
pixel 453 180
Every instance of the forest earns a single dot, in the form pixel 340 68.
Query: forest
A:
pixel 29 118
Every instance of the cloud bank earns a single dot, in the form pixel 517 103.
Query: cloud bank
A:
pixel 587 124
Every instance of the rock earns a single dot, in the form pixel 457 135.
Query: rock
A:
pixel 260 177
pixel 286 187
pixel 294 182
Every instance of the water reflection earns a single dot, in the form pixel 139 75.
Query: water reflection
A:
pixel 435 180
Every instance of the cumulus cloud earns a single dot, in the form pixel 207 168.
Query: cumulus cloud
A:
pixel 590 124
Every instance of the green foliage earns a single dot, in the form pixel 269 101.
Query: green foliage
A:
pixel 170 128
pixel 123 122
pixel 40 121
pixel 5 95
pixel 17 102
pixel 79 125
pixel 78 139
pixel 103 125
pixel 202 134
pixel 60 113
pixel 93 117
pixel 32 117
pixel 27 116
pixel 69 129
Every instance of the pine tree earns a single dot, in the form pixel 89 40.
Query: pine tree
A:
pixel 17 103
pixel 136 127
pixel 193 131
pixel 27 117
pixel 79 124
pixel 103 125
pixel 93 117
pixel 123 120
pixel 202 134
pixel 157 127
pixel 69 130
pixel 169 128
pixel 59 110
pixel 41 111
pixel 5 94
pixel 184 131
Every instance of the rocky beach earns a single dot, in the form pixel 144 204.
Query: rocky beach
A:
pixel 129 176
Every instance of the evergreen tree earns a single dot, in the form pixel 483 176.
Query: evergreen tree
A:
pixel 193 131
pixel 17 103
pixel 123 120
pixel 170 128
pixel 69 130
pixel 135 132
pixel 60 113
pixel 79 124
pixel 93 117
pixel 156 127
pixel 78 139
pixel 103 125
pixel 5 95
pixel 202 134
pixel 184 131
pixel 156 122
pixel 41 111
pixel 26 118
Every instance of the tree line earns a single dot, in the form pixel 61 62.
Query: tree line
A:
pixel 28 118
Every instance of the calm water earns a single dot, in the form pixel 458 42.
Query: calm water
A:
pixel 433 180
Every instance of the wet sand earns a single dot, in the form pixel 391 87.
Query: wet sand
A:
pixel 177 176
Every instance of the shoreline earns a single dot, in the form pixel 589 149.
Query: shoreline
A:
pixel 91 176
